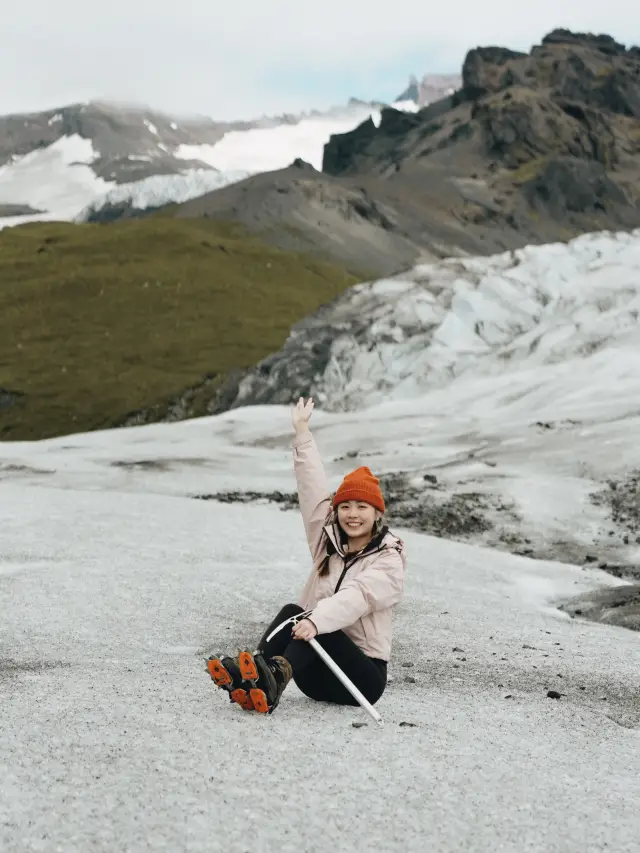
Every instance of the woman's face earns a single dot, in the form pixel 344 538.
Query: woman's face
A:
pixel 357 518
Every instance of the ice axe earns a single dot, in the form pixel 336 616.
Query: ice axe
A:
pixel 333 666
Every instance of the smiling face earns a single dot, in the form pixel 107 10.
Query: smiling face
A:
pixel 357 518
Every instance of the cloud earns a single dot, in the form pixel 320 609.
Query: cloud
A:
pixel 244 59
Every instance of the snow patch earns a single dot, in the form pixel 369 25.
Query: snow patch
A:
pixel 151 127
pixel 58 180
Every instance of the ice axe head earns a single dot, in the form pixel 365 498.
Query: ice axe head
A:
pixel 293 620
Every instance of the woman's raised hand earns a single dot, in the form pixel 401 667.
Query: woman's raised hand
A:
pixel 300 414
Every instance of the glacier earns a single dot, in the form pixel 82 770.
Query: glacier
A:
pixel 549 310
pixel 158 190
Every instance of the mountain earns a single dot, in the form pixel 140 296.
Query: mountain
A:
pixel 533 148
pixel 130 142
pixel 68 163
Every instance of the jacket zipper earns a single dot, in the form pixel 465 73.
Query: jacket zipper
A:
pixel 347 565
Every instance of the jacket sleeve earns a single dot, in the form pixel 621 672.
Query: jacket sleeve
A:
pixel 377 587
pixel 313 491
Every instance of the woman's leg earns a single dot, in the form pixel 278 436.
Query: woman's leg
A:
pixel 317 681
pixel 312 675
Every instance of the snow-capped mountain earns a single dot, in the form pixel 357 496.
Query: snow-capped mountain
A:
pixel 60 164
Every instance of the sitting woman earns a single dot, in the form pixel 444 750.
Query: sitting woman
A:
pixel 356 579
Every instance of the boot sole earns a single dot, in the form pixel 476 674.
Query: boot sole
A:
pixel 223 679
pixel 219 674
pixel 249 672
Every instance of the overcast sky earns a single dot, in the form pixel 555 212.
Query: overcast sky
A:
pixel 243 59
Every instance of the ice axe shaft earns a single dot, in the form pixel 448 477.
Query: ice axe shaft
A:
pixel 333 666
pixel 357 695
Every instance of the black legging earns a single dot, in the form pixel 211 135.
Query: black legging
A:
pixel 310 672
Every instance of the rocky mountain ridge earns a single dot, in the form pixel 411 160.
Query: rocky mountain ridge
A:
pixel 533 148
pixel 132 143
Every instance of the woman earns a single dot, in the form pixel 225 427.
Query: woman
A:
pixel 357 578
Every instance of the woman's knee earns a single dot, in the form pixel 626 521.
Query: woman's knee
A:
pixel 289 610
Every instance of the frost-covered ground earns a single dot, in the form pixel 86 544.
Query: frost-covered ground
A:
pixel 115 583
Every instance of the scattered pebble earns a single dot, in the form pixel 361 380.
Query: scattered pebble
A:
pixel 553 694
pixel 359 725
pixel 527 646
pixel 411 725
pixel 409 679
pixel 407 663
pixel 509 696
pixel 457 649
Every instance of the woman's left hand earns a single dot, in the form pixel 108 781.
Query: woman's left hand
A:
pixel 304 630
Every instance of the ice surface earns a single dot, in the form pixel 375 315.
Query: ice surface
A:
pixel 525 310
pixel 113 737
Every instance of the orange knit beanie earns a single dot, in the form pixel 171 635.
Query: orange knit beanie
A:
pixel 360 485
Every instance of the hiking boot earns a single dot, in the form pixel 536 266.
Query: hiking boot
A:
pixel 267 677
pixel 226 674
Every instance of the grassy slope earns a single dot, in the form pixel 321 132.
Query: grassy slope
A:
pixel 98 321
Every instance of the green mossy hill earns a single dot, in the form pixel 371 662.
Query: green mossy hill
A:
pixel 97 322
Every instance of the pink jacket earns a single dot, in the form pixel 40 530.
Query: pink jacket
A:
pixel 368 585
